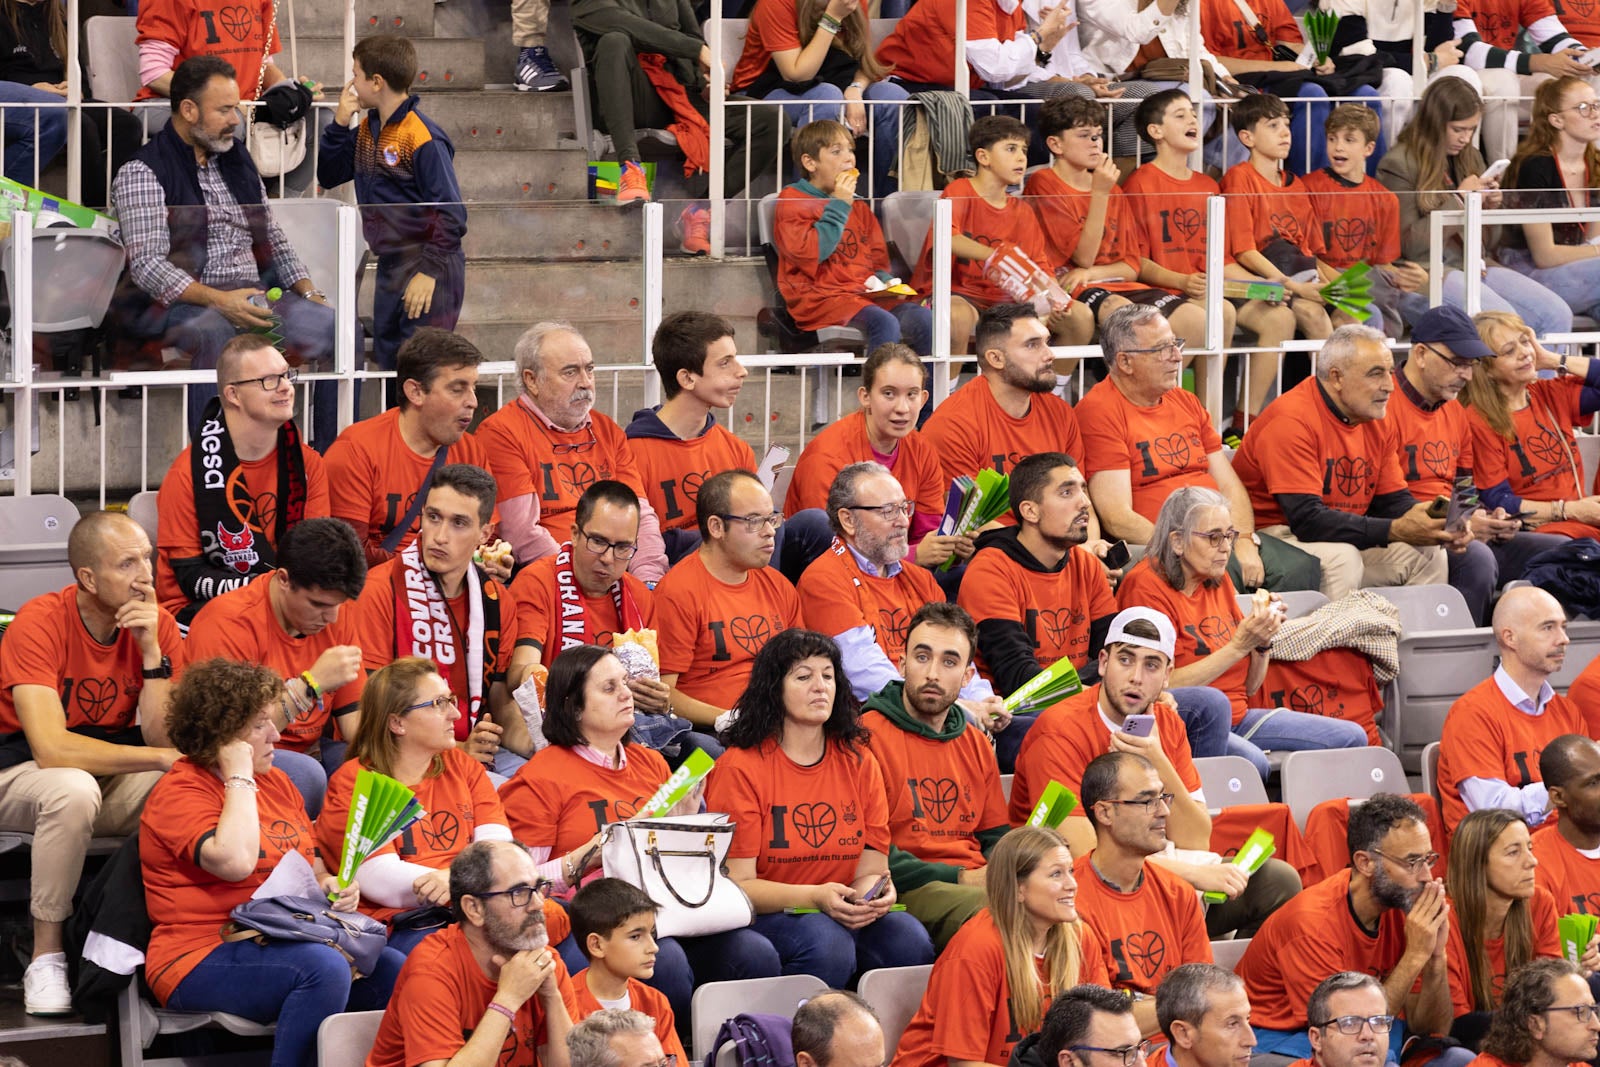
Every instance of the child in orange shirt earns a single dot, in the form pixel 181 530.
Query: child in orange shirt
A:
pixel 613 923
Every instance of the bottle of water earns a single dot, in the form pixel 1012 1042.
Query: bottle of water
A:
pixel 273 331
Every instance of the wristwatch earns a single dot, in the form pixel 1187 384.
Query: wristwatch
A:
pixel 1040 56
pixel 1255 539
pixel 163 671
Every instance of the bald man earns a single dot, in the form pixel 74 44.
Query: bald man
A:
pixel 837 1029
pixel 1493 735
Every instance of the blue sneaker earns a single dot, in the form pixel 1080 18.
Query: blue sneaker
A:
pixel 537 72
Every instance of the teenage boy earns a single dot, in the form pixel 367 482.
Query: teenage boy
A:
pixel 1272 230
pixel 1169 213
pixel 999 250
pixel 829 246
pixel 1087 220
pixel 411 209
pixel 614 924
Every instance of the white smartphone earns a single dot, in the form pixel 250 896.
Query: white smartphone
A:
pixel 1497 168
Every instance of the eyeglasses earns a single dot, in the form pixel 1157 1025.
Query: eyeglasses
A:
pixel 622 550
pixel 1131 1054
pixel 1584 1013
pixel 1351 1025
pixel 270 382
pixel 1172 348
pixel 886 512
pixel 566 448
pixel 1587 109
pixel 448 699
pixel 670 1060
pixel 755 523
pixel 520 895
pixel 1218 538
pixel 1147 803
pixel 1458 362
pixel 1414 864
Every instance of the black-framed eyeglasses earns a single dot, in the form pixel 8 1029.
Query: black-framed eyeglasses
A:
pixel 519 895
pixel 1173 347
pixel 623 550
pixel 886 512
pixel 270 382
pixel 755 523
pixel 1218 538
pixel 566 448
pixel 1131 1054
pixel 1350 1025
pixel 441 701
pixel 1584 1013
pixel 1147 803
pixel 1458 362
pixel 1414 864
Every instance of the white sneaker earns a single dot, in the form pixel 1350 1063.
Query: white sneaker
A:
pixel 44 986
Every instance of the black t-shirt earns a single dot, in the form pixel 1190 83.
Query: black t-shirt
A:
pixel 26 56
pixel 1538 186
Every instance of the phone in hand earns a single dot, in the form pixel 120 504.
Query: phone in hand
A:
pixel 1439 508
pixel 1139 725
pixel 1117 555
pixel 876 891
pixel 1497 168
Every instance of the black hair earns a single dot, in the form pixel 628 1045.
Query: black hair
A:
pixel 681 343
pixel 468 480
pixel 563 694
pixel 1031 476
pixel 716 497
pixel 603 905
pixel 1152 111
pixel 1372 819
pixel 194 74
pixel 1062 113
pixel 1100 778
pixel 949 615
pixel 605 491
pixel 994 327
pixel 1257 107
pixel 325 554
pixel 990 130
pixel 1071 1014
pixel 761 712
pixel 1556 761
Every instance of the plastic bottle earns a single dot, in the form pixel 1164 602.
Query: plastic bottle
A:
pixel 274 331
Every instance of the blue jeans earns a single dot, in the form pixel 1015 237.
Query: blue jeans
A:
pixel 1205 712
pixel 909 323
pixel 1282 730
pixel 1578 283
pixel 1506 290
pixel 307 774
pixel 295 984
pixel 815 944
pixel 826 101
pixel 27 151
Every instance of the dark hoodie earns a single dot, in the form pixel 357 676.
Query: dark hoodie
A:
pixel 1005 644
pixel 1025 1053
pixel 910 872
pixel 646 423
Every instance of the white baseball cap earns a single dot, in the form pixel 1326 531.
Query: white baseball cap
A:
pixel 1163 644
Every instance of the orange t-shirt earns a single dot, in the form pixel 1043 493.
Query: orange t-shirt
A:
pixel 1483 1059
pixel 824 292
pixel 1498 21
pixel 970 431
pixel 440 999
pixel 673 470
pixel 1163 447
pixel 238 33
pixel 252 493
pixel 972 216
pixel 241 626
pixel 1313 935
pixel 915 465
pixel 774 26
pixel 923 45
pixel 1337 683
pixel 940 793
pixel 523 459
pixel 1546 945
pixel 1223 29
pixel 1535 460
pixel 1069 734
pixel 1259 211
pixel 709 632
pixel 836 596
pixel 1064 211
pixel 1170 215
pixel 1147 932
pixel 458 801
pixel 373 475
pixel 1580 19
pixel 1585 693
pixel 1055 607
pixel 802 825
pixel 542 623
pixel 1570 877
pixel 558 800
pixel 1204 620
pixel 1358 222
pixel 1299 446
pixel 1434 444
pixel 187 904
pixel 641 998
pixel 966 1012
pixel 1485 737
pixel 47 644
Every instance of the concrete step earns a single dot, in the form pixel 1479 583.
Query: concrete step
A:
pixel 514 175
pixel 405 18
pixel 501 118
pixel 442 62
pixel 573 231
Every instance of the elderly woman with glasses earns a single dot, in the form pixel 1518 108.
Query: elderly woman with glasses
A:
pixel 407 732
pixel 1185 577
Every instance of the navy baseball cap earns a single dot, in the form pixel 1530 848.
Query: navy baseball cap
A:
pixel 1451 327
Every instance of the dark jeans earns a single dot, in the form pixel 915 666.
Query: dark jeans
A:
pixel 1483 568
pixel 815 944
pixel 1207 718
pixel 390 325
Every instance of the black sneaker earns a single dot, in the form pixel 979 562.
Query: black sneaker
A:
pixel 537 72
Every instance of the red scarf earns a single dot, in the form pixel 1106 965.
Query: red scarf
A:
pixel 423 626
pixel 575 623
pixel 692 130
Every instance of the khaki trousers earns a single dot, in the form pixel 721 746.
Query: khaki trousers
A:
pixel 1346 568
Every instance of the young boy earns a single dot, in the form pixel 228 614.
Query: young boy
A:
pixel 829 245
pixel 1086 220
pixel 614 924
pixel 1167 203
pixel 1359 216
pixel 411 210
pixel 1000 254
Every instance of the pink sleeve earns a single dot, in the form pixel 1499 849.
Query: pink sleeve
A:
pixel 519 524
pixel 155 59
pixel 650 563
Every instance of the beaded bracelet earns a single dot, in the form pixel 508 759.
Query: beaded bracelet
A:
pixel 829 23
pixel 242 783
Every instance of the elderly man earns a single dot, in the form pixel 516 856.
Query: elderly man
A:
pixel 837 1029
pixel 1547 1018
pixel 615 1037
pixel 1323 470
pixel 550 445
pixel 203 248
pixel 1489 750
pixel 1144 436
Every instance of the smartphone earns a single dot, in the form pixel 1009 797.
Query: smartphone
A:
pixel 1139 725
pixel 1117 555
pixel 1497 168
pixel 876 891
pixel 1439 508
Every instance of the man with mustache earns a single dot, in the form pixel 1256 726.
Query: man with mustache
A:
pixel 1547 1018
pixel 1384 915
pixel 1489 750
pixel 488 989
pixel 549 445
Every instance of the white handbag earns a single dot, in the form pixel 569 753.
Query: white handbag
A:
pixel 679 863
pixel 276 151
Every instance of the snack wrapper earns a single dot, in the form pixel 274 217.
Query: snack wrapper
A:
pixel 1015 273
pixel 638 652
pixel 530 701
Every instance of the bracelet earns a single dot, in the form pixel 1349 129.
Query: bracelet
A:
pixel 501 1009
pixel 243 783
pixel 829 23
pixel 311 684
pixel 318 293
pixel 1561 511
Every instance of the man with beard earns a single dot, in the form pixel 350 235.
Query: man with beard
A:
pixel 489 989
pixel 1349 1022
pixel 1384 915
pixel 1568 847
pixel 1547 1018
pixel 549 445
pixel 946 807
pixel 1489 750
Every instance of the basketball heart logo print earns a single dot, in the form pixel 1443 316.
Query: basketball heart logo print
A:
pixel 814 823
pixel 938 797
pixel 1349 235
pixel 284 835
pixel 441 831
pixel 236 21
pixel 751 632
pixel 95 697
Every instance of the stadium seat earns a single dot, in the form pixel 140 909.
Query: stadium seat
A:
pixel 895 993
pixel 1424 608
pixel 1223 953
pixel 1229 781
pixel 112 45
pixel 142 510
pixel 1311 777
pixel 139 1023
pixel 907 216
pixel 1430 770
pixel 563 39
pixel 1005 785
pixel 74 274
pixel 1589 456
pixel 33 546
pixel 716 1002
pixel 344 1040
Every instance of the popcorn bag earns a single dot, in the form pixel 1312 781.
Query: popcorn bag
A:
pixel 1014 272
pixel 530 701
